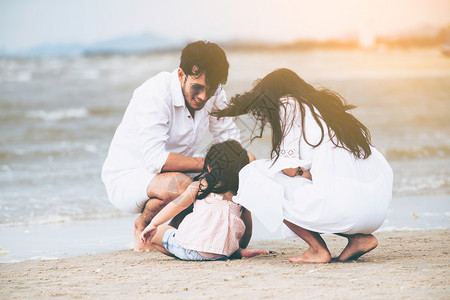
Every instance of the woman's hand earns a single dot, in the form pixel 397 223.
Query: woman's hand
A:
pixel 292 172
pixel 306 174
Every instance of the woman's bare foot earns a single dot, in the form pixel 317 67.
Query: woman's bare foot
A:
pixel 313 256
pixel 358 244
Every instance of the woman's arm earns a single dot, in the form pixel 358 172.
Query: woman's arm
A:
pixel 290 115
pixel 291 172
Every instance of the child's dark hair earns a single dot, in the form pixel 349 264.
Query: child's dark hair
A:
pixel 224 161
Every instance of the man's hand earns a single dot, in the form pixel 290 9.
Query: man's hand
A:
pixel 148 233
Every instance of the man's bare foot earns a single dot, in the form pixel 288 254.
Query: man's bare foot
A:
pixel 358 244
pixel 139 245
pixel 313 256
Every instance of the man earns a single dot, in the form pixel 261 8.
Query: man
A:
pixel 162 127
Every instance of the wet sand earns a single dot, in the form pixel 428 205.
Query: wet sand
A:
pixel 405 265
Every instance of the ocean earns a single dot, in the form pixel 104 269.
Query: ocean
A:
pixel 58 116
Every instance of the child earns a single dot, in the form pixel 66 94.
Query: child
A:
pixel 217 227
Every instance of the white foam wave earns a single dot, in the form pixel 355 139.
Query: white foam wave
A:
pixel 421 184
pixel 399 228
pixel 23 77
pixel 44 258
pixel 90 74
pixel 91 148
pixel 418 152
pixel 57 115
pixel 60 219
pixel 429 214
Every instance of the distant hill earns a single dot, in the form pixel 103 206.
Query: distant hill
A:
pixel 421 37
pixel 133 44
pixel 145 42
pixel 50 50
pixel 148 42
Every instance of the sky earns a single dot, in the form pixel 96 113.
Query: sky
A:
pixel 27 23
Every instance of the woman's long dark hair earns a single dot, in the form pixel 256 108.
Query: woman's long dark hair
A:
pixel 224 161
pixel 263 102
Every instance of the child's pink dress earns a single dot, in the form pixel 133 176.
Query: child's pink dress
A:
pixel 214 226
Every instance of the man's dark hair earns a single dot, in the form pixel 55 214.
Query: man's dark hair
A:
pixel 205 57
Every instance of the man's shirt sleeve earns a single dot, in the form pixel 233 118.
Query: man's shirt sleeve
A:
pixel 152 117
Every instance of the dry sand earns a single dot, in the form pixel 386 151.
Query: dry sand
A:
pixel 406 265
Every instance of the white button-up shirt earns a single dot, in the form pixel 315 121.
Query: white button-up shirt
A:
pixel 158 122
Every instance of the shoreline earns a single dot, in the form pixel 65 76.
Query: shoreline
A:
pixel 112 234
pixel 405 265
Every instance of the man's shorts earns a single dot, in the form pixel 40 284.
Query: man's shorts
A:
pixel 170 243
pixel 129 191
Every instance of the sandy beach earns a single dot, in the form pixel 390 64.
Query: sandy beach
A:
pixel 406 265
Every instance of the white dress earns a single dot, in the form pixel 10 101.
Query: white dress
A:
pixel 346 195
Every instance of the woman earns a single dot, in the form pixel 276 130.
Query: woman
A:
pixel 314 135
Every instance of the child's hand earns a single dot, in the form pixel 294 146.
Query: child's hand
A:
pixel 251 253
pixel 148 233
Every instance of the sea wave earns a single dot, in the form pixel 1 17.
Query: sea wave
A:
pixel 107 110
pixel 58 115
pixel 59 150
pixel 57 219
pixel 416 152
pixel 435 184
pixel 23 77
pixel 17 77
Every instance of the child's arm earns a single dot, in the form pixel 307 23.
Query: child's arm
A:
pixel 249 253
pixel 247 218
pixel 243 243
pixel 171 210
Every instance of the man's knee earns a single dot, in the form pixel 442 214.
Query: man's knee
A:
pixel 168 186
pixel 182 181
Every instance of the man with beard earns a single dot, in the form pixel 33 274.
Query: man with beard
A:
pixel 167 117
